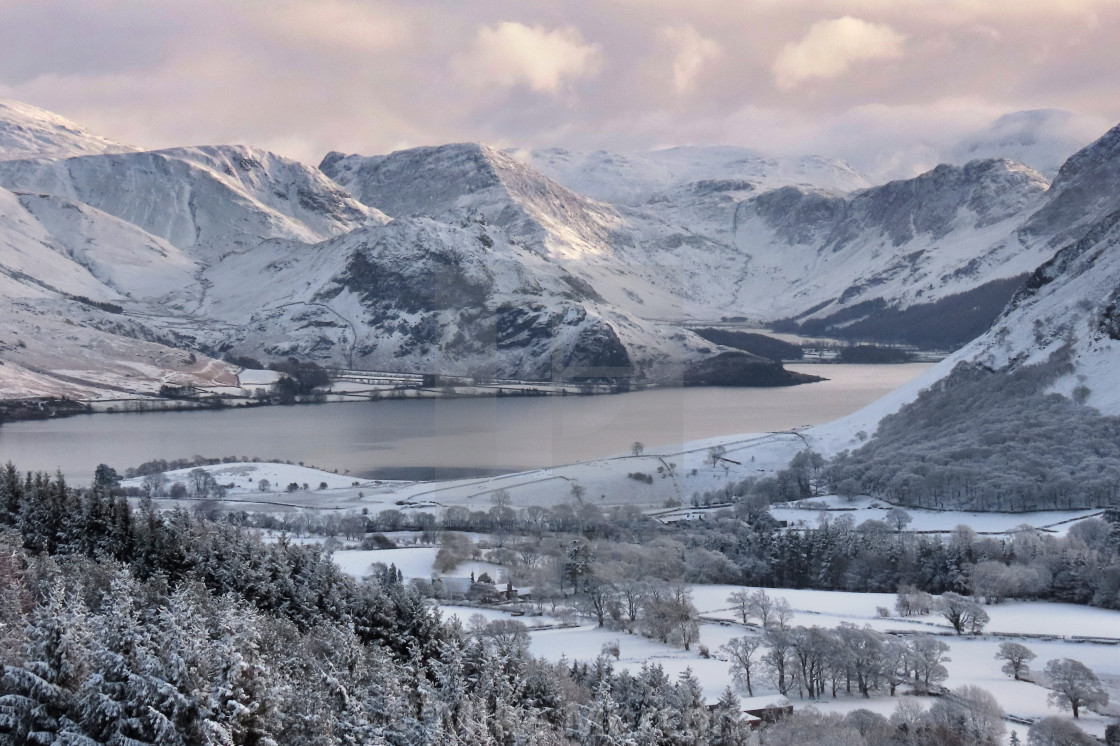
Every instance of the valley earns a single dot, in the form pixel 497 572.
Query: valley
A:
pixel 878 537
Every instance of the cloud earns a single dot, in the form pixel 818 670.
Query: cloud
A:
pixel 308 76
pixel 339 24
pixel 830 48
pixel 693 52
pixel 511 54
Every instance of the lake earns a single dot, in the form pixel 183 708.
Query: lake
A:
pixel 434 438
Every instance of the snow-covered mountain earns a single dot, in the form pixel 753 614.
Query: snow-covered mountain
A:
pixel 30 132
pixel 1073 300
pixel 1040 138
pixel 605 249
pixel 67 274
pixel 456 297
pixel 467 259
pixel 1067 311
pixel 235 249
pixel 635 178
pixel 847 260
pixel 709 248
pixel 208 201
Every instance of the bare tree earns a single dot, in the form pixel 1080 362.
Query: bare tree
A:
pixel 896 663
pixel 778 660
pixel 500 498
pixel 973 715
pixel 153 484
pixel 632 594
pixel 637 448
pixel 927 656
pixel 200 481
pixel 1017 657
pixel 741 602
pixel 669 616
pixel 740 651
pixel 599 597
pixel 716 454
pixel 993 581
pixel 1074 686
pixel 783 614
pixel 762 606
pixel 912 602
pixel 508 637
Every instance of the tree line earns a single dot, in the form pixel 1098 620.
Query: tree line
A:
pixel 989 440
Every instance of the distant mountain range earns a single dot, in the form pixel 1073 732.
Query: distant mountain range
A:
pixel 126 270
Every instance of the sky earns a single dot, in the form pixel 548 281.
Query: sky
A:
pixel 890 85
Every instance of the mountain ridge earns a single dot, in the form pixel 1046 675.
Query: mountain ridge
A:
pixel 464 258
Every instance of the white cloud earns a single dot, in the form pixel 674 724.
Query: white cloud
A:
pixel 693 51
pixel 830 48
pixel 511 54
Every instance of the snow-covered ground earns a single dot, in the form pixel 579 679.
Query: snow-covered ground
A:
pixel 605 482
pixel 678 472
pixel 413 562
pixel 809 513
pixel 972 660
pixel 242 481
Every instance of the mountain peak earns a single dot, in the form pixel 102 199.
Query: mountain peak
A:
pixel 1041 138
pixel 429 179
pixel 209 200
pixel 479 179
pixel 1102 155
pixel 27 131
pixel 1085 190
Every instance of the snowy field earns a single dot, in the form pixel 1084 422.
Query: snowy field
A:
pixel 413 562
pixel 242 481
pixel 1051 630
pixel 677 471
pixel 808 513
pixel 972 659
pixel 684 471
pixel 1048 629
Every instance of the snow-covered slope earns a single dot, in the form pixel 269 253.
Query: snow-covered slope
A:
pixel 464 178
pixel 117 254
pixel 914 241
pixel 1085 190
pixel 1073 303
pixel 208 201
pixel 635 178
pixel 606 251
pixel 425 295
pixel 1069 308
pixel 708 248
pixel 30 132
pixel 78 291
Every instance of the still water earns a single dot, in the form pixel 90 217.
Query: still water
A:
pixel 427 439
